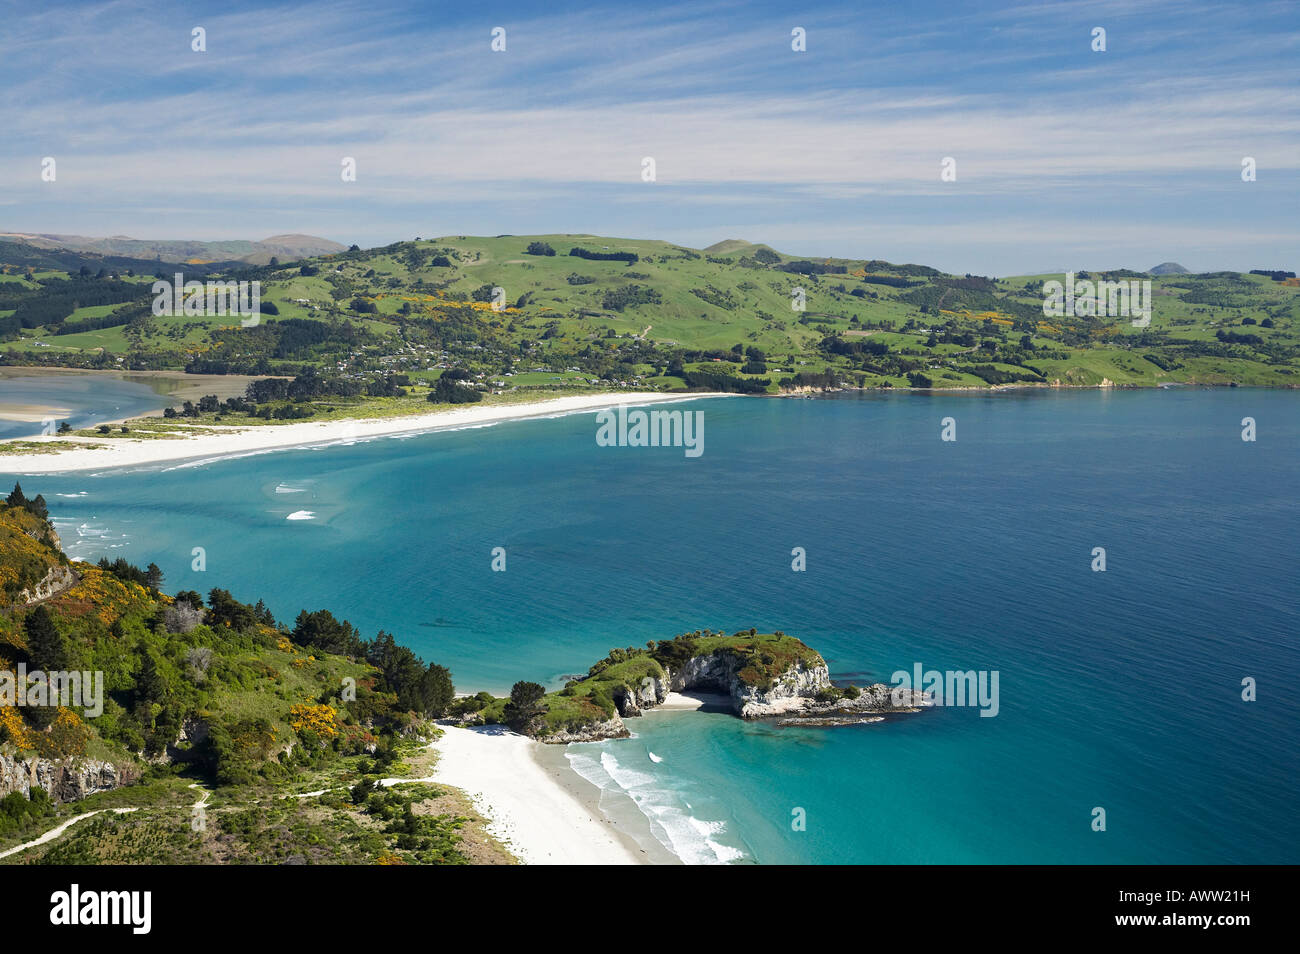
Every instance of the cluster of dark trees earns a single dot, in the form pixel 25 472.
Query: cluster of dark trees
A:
pixel 309 384
pixel 720 381
pixel 1231 337
pixel 262 397
pixel 629 257
pixel 59 298
pixel 539 248
pixel 616 299
pixel 833 344
pixel 419 688
pixel 893 281
pixel 1277 276
pixel 35 505
pixel 388 385
pixel 449 389
pixel 994 375
pixel 812 268
pixel 150 578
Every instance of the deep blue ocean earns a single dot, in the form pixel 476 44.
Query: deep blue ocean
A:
pixel 1119 690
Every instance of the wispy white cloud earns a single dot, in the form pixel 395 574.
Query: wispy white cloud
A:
pixel 258 124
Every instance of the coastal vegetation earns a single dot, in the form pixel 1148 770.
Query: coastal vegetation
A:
pixel 244 739
pixel 458 319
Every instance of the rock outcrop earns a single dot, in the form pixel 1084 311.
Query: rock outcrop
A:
pixel 56 580
pixel 866 706
pixel 720 672
pixel 631 700
pixel 801 695
pixel 65 780
pixel 612 728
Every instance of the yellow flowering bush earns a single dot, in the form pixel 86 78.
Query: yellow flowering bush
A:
pixel 12 728
pixel 318 718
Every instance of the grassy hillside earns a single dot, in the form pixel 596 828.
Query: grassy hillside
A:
pixel 523 314
pixel 213 703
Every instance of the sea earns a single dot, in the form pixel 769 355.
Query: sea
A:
pixel 1124 561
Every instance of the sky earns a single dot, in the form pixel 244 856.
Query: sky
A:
pixel 1065 157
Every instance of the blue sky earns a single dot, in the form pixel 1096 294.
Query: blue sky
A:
pixel 1066 158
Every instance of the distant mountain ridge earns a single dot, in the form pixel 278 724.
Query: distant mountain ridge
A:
pixel 1168 268
pixel 182 251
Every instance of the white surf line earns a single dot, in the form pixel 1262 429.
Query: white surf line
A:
pixel 56 832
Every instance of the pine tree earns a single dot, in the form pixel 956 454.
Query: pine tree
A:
pixel 46 646
pixel 151 686
pixel 16 498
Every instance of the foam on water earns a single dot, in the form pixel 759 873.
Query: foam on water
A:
pixel 83 539
pixel 670 813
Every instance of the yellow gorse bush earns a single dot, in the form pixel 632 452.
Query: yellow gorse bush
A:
pixel 318 718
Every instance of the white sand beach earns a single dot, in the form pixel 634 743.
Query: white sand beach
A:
pixel 222 441
pixel 537 818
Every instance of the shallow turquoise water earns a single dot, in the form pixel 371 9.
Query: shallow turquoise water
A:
pixel 1118 690
pixel 87 398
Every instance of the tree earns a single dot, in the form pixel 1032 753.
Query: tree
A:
pixel 16 497
pixel 46 646
pixel 437 689
pixel 151 686
pixel 228 611
pixel 420 689
pixel 320 630
pixel 190 597
pixel 448 390
pixel 525 705
pixel 153 576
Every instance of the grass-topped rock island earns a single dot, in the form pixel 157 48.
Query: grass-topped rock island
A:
pixel 756 675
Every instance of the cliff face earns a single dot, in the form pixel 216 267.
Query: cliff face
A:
pixel 65 781
pixel 631 700
pixel 720 672
pixel 56 580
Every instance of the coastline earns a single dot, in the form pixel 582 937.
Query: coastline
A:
pixel 227 441
pixel 537 807
pixel 540 807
